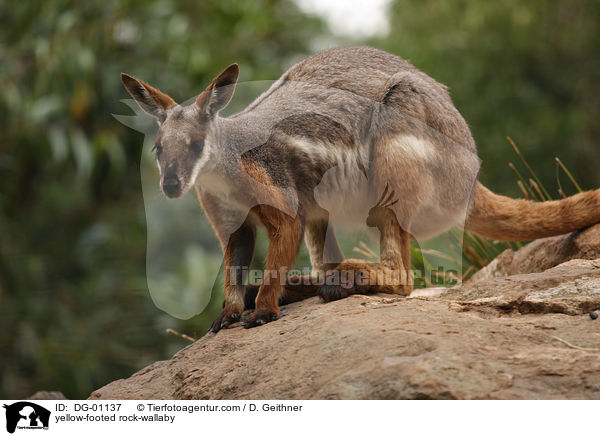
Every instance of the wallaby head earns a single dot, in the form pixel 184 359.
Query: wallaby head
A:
pixel 186 133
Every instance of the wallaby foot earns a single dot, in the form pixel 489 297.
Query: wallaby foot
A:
pixel 227 317
pixel 355 276
pixel 335 292
pixel 253 318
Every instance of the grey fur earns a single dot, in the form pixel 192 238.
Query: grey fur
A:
pixel 322 131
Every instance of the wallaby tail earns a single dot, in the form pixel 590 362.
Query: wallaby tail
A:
pixel 506 219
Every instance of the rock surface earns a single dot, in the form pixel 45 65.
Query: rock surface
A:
pixel 544 253
pixel 47 395
pixel 527 335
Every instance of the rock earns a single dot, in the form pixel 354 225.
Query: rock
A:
pixel 543 254
pixel 571 288
pixel 520 330
pixel 47 395
pixel 521 337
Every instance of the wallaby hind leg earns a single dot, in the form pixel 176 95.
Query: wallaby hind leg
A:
pixel 325 252
pixel 408 285
pixel 393 275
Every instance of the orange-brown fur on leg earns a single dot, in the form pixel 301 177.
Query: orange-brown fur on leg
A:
pixel 297 288
pixel 408 284
pixel 322 243
pixel 394 240
pixel 237 243
pixel 238 256
pixel 358 276
pixel 392 276
pixel 285 234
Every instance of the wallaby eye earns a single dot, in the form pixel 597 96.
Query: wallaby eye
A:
pixel 157 149
pixel 197 146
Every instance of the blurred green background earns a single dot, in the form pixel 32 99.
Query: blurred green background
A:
pixel 75 312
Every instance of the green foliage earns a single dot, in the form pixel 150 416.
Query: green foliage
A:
pixel 75 312
pixel 530 70
pixel 74 306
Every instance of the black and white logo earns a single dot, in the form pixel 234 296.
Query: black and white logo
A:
pixel 26 415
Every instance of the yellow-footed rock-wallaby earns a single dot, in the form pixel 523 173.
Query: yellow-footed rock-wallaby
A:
pixel 345 135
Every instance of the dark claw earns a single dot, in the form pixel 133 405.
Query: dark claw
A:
pixel 225 319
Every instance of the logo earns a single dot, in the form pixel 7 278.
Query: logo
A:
pixel 26 415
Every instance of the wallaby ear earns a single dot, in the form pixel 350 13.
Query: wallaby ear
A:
pixel 218 94
pixel 150 99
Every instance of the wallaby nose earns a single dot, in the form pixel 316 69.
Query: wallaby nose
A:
pixel 171 186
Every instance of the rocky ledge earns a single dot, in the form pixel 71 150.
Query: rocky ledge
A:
pixel 520 329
